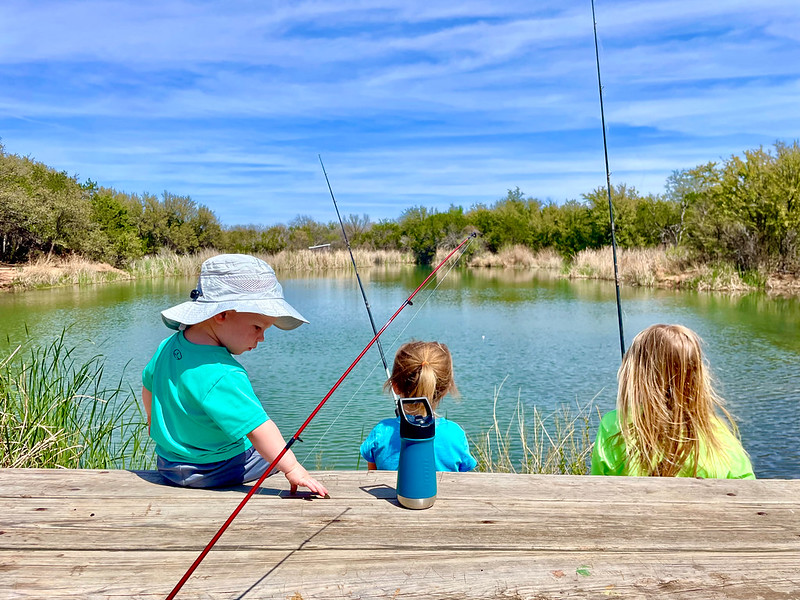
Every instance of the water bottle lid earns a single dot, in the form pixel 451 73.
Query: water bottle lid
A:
pixel 416 419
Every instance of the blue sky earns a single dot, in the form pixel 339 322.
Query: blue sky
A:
pixel 410 103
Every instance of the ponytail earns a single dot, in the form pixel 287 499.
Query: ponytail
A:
pixel 423 369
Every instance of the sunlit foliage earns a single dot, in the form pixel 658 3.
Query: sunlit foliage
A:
pixel 744 212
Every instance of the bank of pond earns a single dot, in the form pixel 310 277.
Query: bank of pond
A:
pixel 666 267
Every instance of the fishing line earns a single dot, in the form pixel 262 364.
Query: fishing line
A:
pixel 296 436
pixel 428 297
pixel 358 278
pixel 391 345
pixel 341 411
pixel 608 186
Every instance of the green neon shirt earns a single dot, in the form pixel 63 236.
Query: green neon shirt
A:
pixel 608 456
pixel 203 402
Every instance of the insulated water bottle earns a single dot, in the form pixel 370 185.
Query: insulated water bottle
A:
pixel 416 471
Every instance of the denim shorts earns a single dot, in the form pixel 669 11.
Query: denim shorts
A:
pixel 247 466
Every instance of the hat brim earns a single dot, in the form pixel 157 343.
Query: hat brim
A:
pixel 193 312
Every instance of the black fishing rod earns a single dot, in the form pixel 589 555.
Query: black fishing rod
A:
pixel 608 187
pixel 358 278
pixel 296 436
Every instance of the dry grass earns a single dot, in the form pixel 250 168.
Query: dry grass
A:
pixel 636 267
pixel 649 267
pixel 50 272
pixel 519 257
pixel 779 283
pixel 74 270
pixel 656 267
pixel 171 264
pixel 718 277
pixel 322 260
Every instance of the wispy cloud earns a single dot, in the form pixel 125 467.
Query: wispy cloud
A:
pixel 409 102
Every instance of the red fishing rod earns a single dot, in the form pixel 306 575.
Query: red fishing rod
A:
pixel 296 436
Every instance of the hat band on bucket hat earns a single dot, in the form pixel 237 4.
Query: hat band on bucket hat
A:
pixel 234 282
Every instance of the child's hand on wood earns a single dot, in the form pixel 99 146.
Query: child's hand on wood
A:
pixel 298 476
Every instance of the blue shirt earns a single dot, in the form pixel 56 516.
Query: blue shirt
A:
pixel 450 446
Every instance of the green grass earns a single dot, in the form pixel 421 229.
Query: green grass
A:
pixel 56 411
pixel 559 443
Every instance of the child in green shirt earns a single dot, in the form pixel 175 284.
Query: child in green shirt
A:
pixel 669 420
pixel 208 424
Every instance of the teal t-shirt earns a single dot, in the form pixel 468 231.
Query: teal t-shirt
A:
pixel 203 402
pixel 608 456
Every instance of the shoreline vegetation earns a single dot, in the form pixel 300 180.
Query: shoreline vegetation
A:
pixel 643 267
pixel 732 225
pixel 57 412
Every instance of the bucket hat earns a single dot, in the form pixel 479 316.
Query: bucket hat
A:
pixel 234 282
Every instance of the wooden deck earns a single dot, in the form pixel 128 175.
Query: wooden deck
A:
pixel 118 534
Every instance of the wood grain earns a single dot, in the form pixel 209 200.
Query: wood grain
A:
pixel 111 534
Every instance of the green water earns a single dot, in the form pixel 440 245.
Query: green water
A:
pixel 547 341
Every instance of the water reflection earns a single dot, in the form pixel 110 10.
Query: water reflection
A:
pixel 548 340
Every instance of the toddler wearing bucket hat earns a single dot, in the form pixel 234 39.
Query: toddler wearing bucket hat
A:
pixel 208 425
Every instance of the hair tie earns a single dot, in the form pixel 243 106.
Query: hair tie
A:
pixel 424 362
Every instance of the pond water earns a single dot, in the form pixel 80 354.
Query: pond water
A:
pixel 516 336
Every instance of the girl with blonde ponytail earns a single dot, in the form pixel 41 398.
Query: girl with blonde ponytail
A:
pixel 669 421
pixel 421 369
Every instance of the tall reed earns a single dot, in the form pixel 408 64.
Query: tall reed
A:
pixel 167 264
pixel 70 270
pixel 656 267
pixel 314 260
pixel 519 256
pixel 55 411
pixel 560 443
pixel 170 264
pixel 641 266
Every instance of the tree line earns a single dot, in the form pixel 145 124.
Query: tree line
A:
pixel 744 210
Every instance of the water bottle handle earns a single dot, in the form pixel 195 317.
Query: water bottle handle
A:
pixel 423 400
pixel 414 425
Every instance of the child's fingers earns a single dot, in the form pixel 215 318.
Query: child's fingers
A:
pixel 316 487
pixel 300 477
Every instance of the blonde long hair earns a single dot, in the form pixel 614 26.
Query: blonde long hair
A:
pixel 423 369
pixel 669 413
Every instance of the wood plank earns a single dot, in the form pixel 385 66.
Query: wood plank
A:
pixel 303 573
pixel 108 523
pixel 105 534
pixel 341 484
